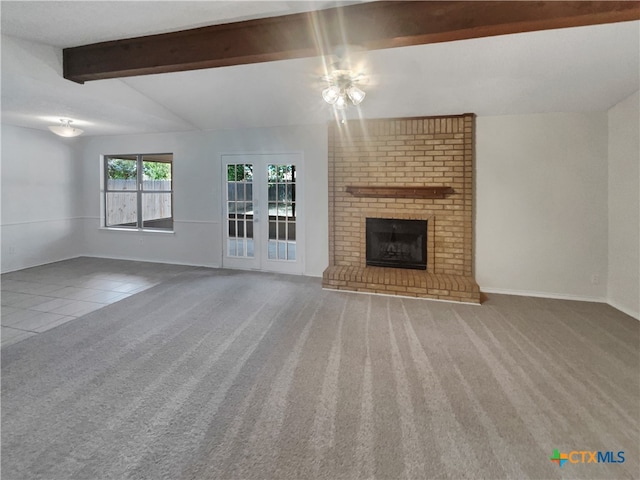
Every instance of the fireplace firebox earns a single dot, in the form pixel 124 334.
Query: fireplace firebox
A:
pixel 396 243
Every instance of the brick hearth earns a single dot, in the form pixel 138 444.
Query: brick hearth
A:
pixel 410 153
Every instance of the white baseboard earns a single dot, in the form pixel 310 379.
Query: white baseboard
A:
pixel 107 257
pixel 557 296
pixel 39 264
pixel 635 314
pixel 455 302
pixel 501 291
pixel 168 262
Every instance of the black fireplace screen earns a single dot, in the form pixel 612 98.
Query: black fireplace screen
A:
pixel 397 243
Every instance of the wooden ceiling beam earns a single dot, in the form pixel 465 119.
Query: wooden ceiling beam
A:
pixel 374 25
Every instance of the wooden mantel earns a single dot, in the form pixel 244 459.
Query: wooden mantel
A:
pixel 400 192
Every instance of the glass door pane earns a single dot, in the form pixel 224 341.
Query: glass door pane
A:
pixel 281 194
pixel 239 210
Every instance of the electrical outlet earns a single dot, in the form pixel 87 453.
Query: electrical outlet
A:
pixel 595 279
pixel 140 241
pixel 12 250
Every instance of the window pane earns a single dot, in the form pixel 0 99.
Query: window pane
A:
pixel 156 185
pixel 272 230
pixel 122 209
pixel 291 231
pixel 157 211
pixel 282 192
pixel 156 175
pixel 231 248
pixel 291 251
pixel 240 209
pixel 238 172
pixel 122 173
pixel 231 173
pixel 281 205
pixel 158 157
pixel 248 172
pixel 240 192
pixel 249 227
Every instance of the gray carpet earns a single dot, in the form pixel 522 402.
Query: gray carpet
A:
pixel 236 375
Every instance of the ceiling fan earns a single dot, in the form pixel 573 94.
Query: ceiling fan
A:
pixel 344 77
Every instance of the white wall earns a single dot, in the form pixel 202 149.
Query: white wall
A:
pixel 624 206
pixel 40 179
pixel 197 181
pixel 541 191
pixel 541 210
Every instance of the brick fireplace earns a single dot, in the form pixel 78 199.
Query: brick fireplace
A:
pixel 403 169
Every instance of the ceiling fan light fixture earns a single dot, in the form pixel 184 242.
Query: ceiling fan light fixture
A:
pixel 341 102
pixel 65 129
pixel 355 94
pixel 331 94
pixel 343 90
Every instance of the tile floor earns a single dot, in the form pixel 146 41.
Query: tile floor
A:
pixel 37 299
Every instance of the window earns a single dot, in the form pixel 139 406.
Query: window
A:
pixel 138 191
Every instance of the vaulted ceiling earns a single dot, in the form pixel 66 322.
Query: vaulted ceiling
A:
pixel 587 68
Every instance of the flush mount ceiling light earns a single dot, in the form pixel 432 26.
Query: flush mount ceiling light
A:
pixel 65 129
pixel 343 89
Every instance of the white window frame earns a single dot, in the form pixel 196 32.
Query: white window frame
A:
pixel 139 191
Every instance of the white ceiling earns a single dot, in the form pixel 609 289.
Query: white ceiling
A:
pixel 567 70
pixel 73 23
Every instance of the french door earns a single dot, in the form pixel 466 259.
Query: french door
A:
pixel 263 227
